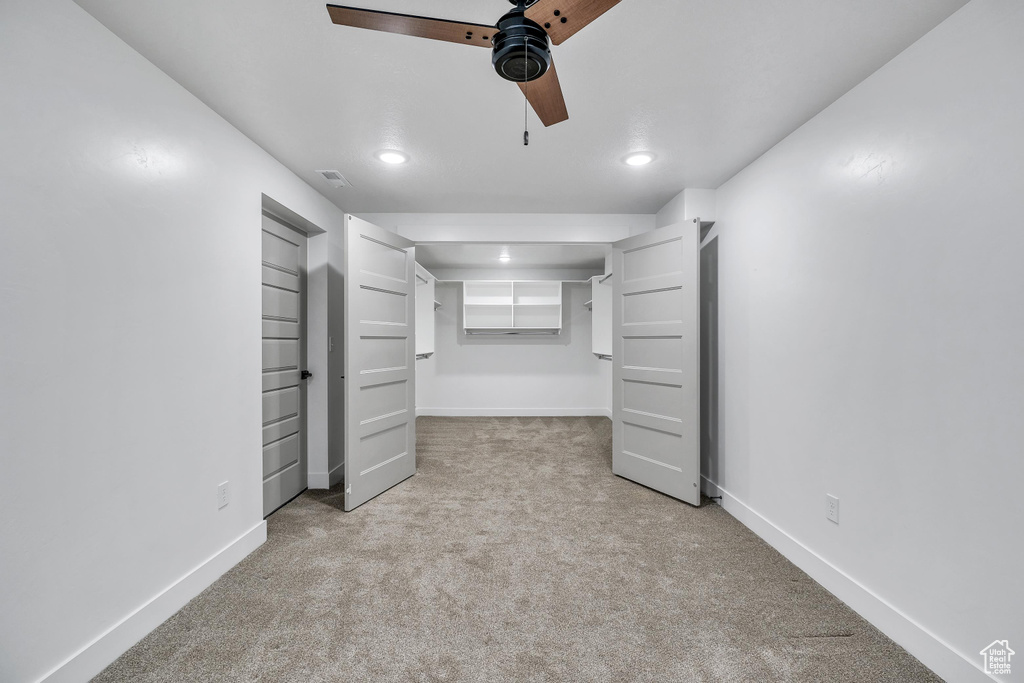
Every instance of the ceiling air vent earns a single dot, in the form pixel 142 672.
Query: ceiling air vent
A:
pixel 334 178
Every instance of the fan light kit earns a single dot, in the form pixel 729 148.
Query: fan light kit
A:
pixel 519 41
pixel 639 159
pixel 390 156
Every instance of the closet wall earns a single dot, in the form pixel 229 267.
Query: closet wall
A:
pixel 513 375
pixel 544 375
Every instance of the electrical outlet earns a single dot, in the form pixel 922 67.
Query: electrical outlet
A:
pixel 222 495
pixel 832 508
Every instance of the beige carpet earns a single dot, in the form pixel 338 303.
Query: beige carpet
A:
pixel 513 555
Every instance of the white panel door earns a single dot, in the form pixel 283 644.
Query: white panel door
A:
pixel 380 349
pixel 284 391
pixel 656 360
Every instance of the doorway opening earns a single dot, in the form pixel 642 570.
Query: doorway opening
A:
pixel 291 273
pixel 709 449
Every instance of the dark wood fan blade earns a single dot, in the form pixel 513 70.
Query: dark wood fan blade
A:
pixel 545 96
pixel 562 18
pixel 410 25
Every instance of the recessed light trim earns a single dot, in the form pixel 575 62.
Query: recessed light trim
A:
pixel 638 159
pixel 392 156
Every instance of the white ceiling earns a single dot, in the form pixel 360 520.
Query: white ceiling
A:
pixel 707 85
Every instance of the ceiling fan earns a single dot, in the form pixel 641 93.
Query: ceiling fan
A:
pixel 519 42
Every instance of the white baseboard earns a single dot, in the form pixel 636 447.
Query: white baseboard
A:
pixel 325 480
pixel 932 651
pixel 513 412
pixel 108 646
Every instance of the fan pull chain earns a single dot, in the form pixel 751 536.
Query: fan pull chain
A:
pixel 526 94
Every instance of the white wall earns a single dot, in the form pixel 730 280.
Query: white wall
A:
pixel 512 227
pixel 130 280
pixel 317 396
pixel 687 205
pixel 871 334
pixel 336 366
pixel 521 375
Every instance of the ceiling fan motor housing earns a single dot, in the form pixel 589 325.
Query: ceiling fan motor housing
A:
pixel 521 50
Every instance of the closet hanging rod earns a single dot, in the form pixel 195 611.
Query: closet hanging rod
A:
pixel 511 333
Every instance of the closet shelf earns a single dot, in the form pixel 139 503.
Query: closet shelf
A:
pixel 495 306
pixel 501 331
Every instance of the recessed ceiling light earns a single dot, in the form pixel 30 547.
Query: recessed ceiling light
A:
pixel 390 156
pixel 639 159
